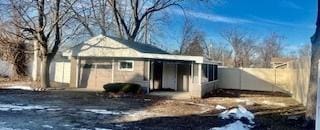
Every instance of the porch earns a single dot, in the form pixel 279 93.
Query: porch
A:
pixel 181 79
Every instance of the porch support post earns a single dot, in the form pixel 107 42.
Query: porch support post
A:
pixel 192 73
pixel 74 72
pixel 200 74
pixel 151 74
pixel 78 72
pixel 112 73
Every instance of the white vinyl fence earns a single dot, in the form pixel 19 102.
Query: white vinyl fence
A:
pixel 293 80
pixel 60 72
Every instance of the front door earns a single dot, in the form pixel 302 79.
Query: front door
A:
pixel 157 75
pixel 169 78
pixel 184 71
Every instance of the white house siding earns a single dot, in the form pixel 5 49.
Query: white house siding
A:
pixel 103 47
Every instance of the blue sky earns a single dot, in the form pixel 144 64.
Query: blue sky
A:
pixel 293 19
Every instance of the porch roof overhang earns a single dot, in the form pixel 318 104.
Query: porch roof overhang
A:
pixel 196 59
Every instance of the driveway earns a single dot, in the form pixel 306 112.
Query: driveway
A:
pixel 63 110
pixel 89 110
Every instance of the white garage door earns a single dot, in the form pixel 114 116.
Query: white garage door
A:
pixel 94 76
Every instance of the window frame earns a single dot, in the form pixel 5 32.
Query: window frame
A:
pixel 125 69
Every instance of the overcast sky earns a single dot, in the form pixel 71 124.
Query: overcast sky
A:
pixel 293 19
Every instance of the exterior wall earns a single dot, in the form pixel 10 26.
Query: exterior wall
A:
pixel 208 87
pixel 135 76
pixel 95 77
pixel 198 86
pixel 195 81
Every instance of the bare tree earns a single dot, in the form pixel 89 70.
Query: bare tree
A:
pixel 220 52
pixel 197 46
pixel 270 47
pixel 304 51
pixel 13 50
pixel 95 16
pixel 243 47
pixel 42 22
pixel 188 34
pixel 129 27
pixel 315 57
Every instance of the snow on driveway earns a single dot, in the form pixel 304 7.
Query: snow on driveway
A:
pixel 21 107
pixel 19 87
pixel 105 112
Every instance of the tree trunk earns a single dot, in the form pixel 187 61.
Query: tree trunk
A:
pixel 313 82
pixel 44 74
pixel 312 92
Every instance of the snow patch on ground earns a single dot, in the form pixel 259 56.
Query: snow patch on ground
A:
pixel 14 107
pixel 104 112
pixel 237 113
pixel 219 107
pixel 138 115
pixel 102 129
pixel 274 103
pixel 47 126
pixel 19 87
pixel 238 125
pixel 21 107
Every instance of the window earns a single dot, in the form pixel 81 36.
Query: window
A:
pixel 126 65
pixel 205 74
pixel 215 68
pixel 211 73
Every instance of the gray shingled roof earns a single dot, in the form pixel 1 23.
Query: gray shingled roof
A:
pixel 141 47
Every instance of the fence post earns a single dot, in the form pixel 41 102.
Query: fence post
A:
pixel 240 72
pixel 275 79
pixel 318 101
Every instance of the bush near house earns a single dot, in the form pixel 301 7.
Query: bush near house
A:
pixel 123 88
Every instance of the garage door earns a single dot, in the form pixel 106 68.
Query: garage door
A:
pixel 94 76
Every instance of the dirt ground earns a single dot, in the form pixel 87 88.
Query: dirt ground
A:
pixel 90 110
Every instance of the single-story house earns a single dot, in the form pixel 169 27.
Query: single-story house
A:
pixel 102 60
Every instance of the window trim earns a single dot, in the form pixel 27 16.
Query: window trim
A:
pixel 125 69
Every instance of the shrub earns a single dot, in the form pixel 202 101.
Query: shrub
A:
pixel 122 87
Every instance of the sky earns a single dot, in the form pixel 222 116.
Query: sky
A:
pixel 292 19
